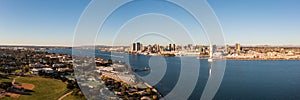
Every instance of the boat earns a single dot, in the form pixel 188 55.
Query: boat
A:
pixel 140 70
pixel 210 59
pixel 146 68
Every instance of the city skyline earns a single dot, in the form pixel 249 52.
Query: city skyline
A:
pixel 52 23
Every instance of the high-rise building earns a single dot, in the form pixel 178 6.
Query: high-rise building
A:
pixel 227 48
pixel 238 47
pixel 155 48
pixel 138 46
pixel 133 47
pixel 158 48
pixel 170 47
pixel 174 47
pixel 190 46
pixel 142 47
pixel 214 48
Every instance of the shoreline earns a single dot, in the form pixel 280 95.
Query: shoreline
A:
pixel 255 59
pixel 130 86
pixel 264 59
pixel 227 58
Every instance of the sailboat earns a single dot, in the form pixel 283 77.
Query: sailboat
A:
pixel 210 59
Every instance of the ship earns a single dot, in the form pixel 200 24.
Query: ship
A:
pixel 140 70
pixel 210 59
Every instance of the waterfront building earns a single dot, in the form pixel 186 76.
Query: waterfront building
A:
pixel 138 46
pixel 133 47
pixel 214 48
pixel 190 46
pixel 174 47
pixel 170 47
pixel 227 48
pixel 237 47
pixel 149 48
pixel 157 48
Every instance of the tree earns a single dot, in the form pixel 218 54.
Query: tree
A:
pixel 26 68
pixel 154 97
pixel 109 61
pixel 71 85
pixel 148 90
pixel 18 71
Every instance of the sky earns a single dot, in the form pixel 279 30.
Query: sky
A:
pixel 53 22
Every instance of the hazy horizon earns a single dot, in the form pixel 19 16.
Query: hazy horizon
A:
pixel 243 45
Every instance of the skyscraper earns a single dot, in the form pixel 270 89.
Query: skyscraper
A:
pixel 138 46
pixel 170 47
pixel 214 48
pixel 133 47
pixel 157 48
pixel 174 47
pixel 237 47
pixel 190 46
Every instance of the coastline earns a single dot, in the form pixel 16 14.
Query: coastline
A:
pixel 205 57
pixel 255 59
pixel 264 59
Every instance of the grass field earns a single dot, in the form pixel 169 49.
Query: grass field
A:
pixel 45 89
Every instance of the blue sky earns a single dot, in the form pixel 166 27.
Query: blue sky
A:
pixel 52 22
pixel 39 22
pixel 274 22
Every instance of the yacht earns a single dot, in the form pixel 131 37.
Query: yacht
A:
pixel 210 59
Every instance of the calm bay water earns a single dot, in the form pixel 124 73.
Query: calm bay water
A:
pixel 243 80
